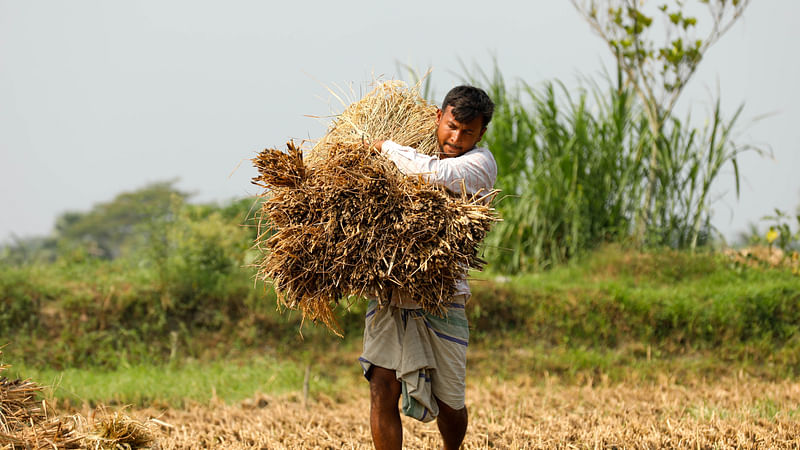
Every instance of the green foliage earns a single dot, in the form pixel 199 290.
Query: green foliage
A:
pixel 572 172
pixel 567 175
pixel 193 262
pixel 19 302
pixel 690 160
pixel 180 272
pixel 665 62
pixel 107 231
pixel 657 68
pixel 108 228
pixel 780 231
pixel 116 315
pixel 625 27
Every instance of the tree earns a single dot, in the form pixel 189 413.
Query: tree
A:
pixel 108 227
pixel 658 69
pixel 24 250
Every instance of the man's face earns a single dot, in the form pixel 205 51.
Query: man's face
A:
pixel 456 138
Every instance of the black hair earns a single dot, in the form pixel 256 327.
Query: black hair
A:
pixel 469 102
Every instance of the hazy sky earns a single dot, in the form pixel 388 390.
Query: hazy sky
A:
pixel 99 97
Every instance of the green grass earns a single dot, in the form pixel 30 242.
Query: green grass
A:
pixel 178 384
pixel 336 373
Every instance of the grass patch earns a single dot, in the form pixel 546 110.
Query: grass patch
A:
pixel 675 303
pixel 175 385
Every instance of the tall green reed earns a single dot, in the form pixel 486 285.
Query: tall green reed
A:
pixel 690 161
pixel 567 164
pixel 572 170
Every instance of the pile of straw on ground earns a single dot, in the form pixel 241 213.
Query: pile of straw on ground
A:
pixel 116 430
pixel 25 421
pixel 29 423
pixel 343 221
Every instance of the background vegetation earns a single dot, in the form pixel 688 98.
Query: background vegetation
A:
pixel 574 170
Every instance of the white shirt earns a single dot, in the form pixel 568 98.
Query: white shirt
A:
pixel 476 168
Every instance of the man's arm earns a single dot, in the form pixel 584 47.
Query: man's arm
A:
pixel 377 145
pixel 476 168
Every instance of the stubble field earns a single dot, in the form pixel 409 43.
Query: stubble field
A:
pixel 732 412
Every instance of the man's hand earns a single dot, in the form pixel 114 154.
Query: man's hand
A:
pixel 376 146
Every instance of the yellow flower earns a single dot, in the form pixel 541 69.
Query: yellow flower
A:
pixel 771 235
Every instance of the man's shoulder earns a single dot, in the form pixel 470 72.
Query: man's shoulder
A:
pixel 479 150
pixel 483 150
pixel 481 153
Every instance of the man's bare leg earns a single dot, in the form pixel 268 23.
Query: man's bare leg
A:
pixel 384 416
pixel 452 425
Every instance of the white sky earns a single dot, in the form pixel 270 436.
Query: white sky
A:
pixel 99 97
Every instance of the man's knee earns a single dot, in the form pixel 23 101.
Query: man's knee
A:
pixel 452 425
pixel 451 415
pixel 383 385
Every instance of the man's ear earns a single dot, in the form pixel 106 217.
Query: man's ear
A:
pixel 438 116
pixel 483 130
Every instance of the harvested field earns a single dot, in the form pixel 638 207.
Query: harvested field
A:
pixel 727 413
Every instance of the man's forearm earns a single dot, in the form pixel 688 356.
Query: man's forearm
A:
pixel 471 169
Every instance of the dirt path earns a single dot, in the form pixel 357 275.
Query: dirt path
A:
pixel 727 413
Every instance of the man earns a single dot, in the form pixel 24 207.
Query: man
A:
pixel 408 352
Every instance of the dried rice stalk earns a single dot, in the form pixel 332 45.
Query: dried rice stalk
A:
pixel 348 223
pixel 24 421
pixel 52 433
pixel 18 403
pixel 118 431
pixel 27 423
pixel 390 111
pixel 765 256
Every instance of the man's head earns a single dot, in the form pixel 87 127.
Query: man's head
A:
pixel 462 121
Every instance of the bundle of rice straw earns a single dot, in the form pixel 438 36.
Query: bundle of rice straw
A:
pixel 391 111
pixel 345 222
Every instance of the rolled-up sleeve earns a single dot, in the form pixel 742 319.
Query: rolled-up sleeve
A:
pixel 476 169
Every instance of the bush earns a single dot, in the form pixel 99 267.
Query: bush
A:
pixel 201 272
pixel 19 300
